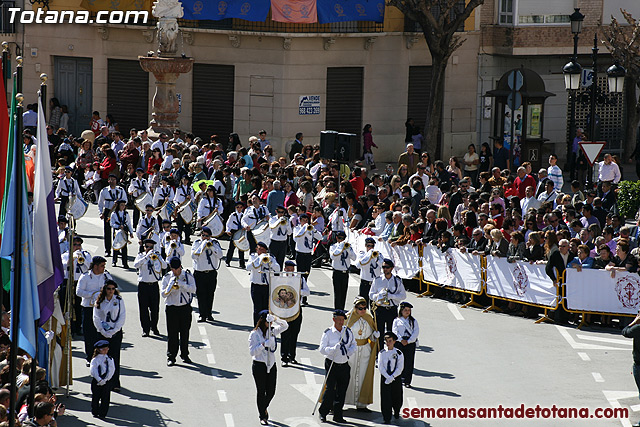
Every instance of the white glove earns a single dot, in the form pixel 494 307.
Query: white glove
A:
pixel 270 318
pixel 389 380
pixel 269 342
pixel 376 334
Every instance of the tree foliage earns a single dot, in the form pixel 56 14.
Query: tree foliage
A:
pixel 439 20
pixel 623 41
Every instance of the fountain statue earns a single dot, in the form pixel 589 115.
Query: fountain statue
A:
pixel 166 67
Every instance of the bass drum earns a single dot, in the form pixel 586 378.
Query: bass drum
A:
pixel 119 240
pixel 240 240
pixel 186 212
pixel 215 225
pixel 77 207
pixel 167 210
pixel 142 201
pixel 262 232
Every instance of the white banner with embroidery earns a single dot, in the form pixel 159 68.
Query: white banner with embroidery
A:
pixel 404 257
pixel 452 268
pixel 520 281
pixel 596 290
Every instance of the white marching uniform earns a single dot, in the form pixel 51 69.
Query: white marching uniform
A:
pixel 68 187
pixel 138 186
pixel 90 285
pixel 161 195
pixel 63 240
pixel 253 215
pixel 405 331
pixel 390 364
pixel 341 259
pixel 178 251
pixel 205 259
pixel 102 368
pixel 395 291
pixel 261 348
pixel 279 232
pixel 304 238
pixel 259 271
pixel 109 196
pixel 144 225
pixel 234 222
pixel 338 345
pixel 186 287
pixel 370 266
pixel 78 269
pixel 121 219
pixel 149 270
pixel 183 193
pixel 109 318
pixel 207 205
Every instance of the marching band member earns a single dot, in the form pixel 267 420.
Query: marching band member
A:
pixel 108 318
pixel 341 254
pixel 63 236
pixel 89 286
pixel 209 204
pixel 337 219
pixel 370 267
pixel 206 254
pixel 260 264
pixel 67 187
pixel 81 261
pixel 149 264
pixel 102 370
pixel 234 223
pixel 253 214
pixel 177 289
pixel 407 330
pixel 362 363
pixel 163 193
pixel 184 195
pixel 148 227
pixel 262 346
pixel 106 201
pixel 337 345
pixel 164 237
pixel 137 187
pixel 387 292
pixel 280 232
pixel 390 364
pixel 120 220
pixel 303 235
pixel 174 248
pixel 289 338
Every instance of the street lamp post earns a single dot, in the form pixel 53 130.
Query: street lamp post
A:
pixel 572 74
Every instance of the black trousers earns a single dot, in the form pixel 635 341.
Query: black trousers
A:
pixel 278 249
pixel 336 388
pixel 265 386
pixel 185 228
pixel 90 332
pixel 178 325
pixel 409 352
pixel 123 254
pixel 260 298
pixel 206 283
pixel 64 205
pixel 289 339
pixel 340 286
pixel 253 244
pixel 115 343
pixel 76 314
pixel 230 251
pixel 100 398
pixel 149 305
pixel 363 290
pixel 384 320
pixel 303 261
pixel 107 231
pixel 390 397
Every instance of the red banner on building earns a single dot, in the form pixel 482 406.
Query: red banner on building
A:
pixel 294 11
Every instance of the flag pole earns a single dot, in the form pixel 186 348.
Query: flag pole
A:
pixel 70 300
pixel 5 67
pixel 17 248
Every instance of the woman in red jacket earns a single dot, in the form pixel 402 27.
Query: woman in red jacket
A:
pixel 155 159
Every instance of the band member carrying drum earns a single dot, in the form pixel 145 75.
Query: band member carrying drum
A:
pixel 184 195
pixel 122 229
pixel 209 205
pixel 67 187
pixel 280 232
pixel 234 224
pixel 260 266
pixel 148 228
pixel 106 202
pixel 163 195
pixel 138 187
pixel 289 338
pixel 254 214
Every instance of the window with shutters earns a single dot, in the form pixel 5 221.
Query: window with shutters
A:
pixel 419 91
pixel 213 95
pixel 344 99
pixel 127 94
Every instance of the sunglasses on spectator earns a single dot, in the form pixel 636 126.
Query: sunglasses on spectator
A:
pixel 110 288
pixel 386 266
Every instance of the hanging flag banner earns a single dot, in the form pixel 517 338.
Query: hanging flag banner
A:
pixel 249 10
pixel 294 11
pixel 350 10
pixel 99 5
pixel 405 260
pixel 452 268
pixel 520 281
pixel 596 290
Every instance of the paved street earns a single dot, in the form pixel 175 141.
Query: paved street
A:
pixel 466 358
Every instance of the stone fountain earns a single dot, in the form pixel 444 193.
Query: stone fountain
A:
pixel 166 67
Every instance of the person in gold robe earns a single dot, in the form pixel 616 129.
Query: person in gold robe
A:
pixel 362 363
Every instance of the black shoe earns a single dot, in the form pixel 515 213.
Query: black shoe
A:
pixel 396 415
pixel 156 332
pixel 210 318
pixel 339 420
pixel 116 389
pixel 113 264
pixel 304 304
pixel 365 409
pixel 407 385
pixel 125 266
pixel 243 266
pixel 285 363
pixel 227 264
pixel 201 319
pixel 187 360
pixel 171 362
pixel 323 418
pixel 186 242
pixel 145 334
pixel 294 362
pixel 264 422
pixel 107 254
pixel 387 422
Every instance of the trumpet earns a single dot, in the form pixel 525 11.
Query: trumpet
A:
pixel 347 245
pixel 266 260
pixel 174 245
pixel 385 298
pixel 80 260
pixel 154 256
pixel 208 245
pixel 173 287
pixel 309 227
pixel 283 221
pixel 375 254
